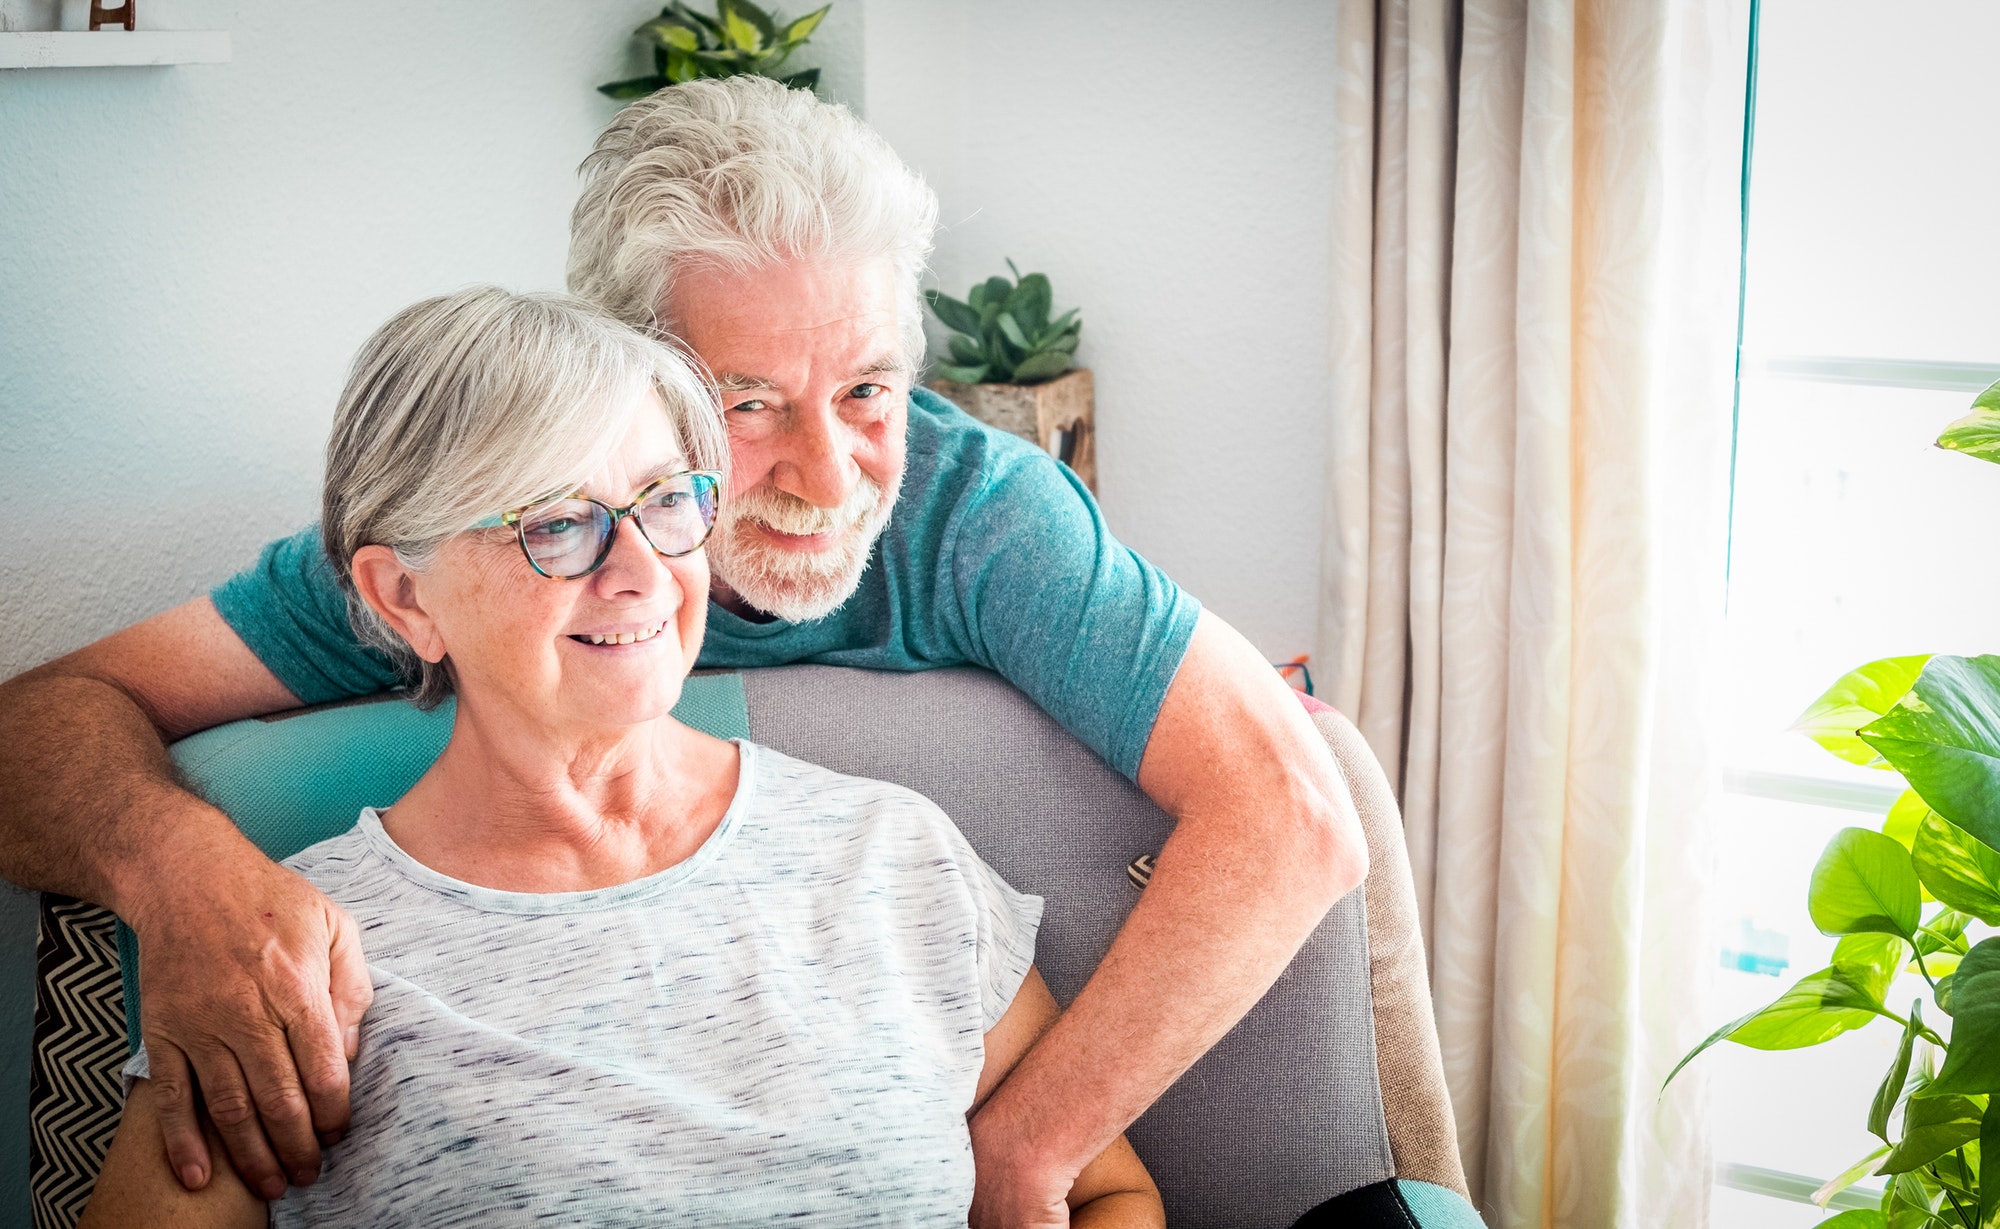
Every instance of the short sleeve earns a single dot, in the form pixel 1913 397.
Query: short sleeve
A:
pixel 1092 632
pixel 1005 923
pixel 136 1068
pixel 289 608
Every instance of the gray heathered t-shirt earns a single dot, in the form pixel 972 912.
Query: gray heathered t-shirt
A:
pixel 787 1025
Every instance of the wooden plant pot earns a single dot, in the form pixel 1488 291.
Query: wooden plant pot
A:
pixel 1060 416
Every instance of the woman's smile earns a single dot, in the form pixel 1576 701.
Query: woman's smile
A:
pixel 622 636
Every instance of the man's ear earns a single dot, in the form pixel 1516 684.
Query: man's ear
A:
pixel 390 589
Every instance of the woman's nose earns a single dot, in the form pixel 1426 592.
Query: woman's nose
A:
pixel 632 564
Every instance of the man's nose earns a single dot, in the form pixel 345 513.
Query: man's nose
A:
pixel 818 461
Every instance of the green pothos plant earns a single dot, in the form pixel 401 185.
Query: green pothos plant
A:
pixel 739 39
pixel 1914 894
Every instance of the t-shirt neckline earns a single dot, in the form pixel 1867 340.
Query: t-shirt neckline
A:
pixel 499 900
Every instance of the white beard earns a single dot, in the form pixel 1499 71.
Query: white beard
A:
pixel 798 586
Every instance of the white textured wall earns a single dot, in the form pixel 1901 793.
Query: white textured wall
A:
pixel 190 255
pixel 1167 164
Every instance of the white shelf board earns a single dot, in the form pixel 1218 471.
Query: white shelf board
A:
pixel 111 48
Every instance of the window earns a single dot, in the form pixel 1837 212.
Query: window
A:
pixel 1872 315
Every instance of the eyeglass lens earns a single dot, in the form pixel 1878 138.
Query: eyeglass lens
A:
pixel 567 538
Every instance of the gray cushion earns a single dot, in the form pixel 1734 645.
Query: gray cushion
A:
pixel 1286 1111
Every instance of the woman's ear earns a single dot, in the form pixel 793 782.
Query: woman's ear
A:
pixel 390 589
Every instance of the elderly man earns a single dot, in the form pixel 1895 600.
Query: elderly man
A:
pixel 781 240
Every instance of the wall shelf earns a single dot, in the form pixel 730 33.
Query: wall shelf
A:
pixel 112 48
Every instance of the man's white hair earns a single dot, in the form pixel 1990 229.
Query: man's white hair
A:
pixel 475 403
pixel 742 173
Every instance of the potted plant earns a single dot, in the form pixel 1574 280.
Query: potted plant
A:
pixel 741 38
pixel 1014 366
pixel 1913 895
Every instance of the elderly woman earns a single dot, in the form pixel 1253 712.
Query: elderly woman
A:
pixel 624 973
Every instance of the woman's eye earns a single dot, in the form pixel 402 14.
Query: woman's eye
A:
pixel 555 527
pixel 865 390
pixel 748 405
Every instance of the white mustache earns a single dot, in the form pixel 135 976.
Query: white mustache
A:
pixel 789 514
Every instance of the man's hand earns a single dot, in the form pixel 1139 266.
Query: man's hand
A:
pixel 233 981
pixel 237 953
pixel 1011 1190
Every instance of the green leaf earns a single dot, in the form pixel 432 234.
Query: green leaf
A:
pixel 1870 961
pixel 997 290
pixel 700 21
pixel 1856 1218
pixel 745 27
pixel 1934 1124
pixel 1856 698
pixel 802 29
pixel 1011 330
pixel 964 350
pixel 1867 1166
pixel 957 316
pixel 668 32
pixel 1944 737
pixel 1945 932
pixel 1989 1146
pixel 637 87
pixel 1863 882
pixel 1816 1009
pixel 804 79
pixel 1046 365
pixel 963 375
pixel 1959 871
pixel 1909 1201
pixel 1900 824
pixel 1978 433
pixel 1972 1064
pixel 1891 1090
pixel 1030 302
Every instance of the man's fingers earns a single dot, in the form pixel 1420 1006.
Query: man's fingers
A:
pixel 180 1127
pixel 353 990
pixel 280 1096
pixel 328 1036
pixel 230 1107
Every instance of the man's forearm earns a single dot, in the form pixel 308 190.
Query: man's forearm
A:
pixel 1265 841
pixel 91 804
pixel 1215 927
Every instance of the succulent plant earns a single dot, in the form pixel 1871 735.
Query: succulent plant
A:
pixel 1002 334
pixel 740 39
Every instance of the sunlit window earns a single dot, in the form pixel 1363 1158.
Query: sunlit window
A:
pixel 1871 319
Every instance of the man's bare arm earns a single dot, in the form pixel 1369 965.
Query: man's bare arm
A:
pixel 1265 841
pixel 237 952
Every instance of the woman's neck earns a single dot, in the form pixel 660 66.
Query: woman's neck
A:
pixel 513 806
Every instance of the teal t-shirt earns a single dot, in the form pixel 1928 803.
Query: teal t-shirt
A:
pixel 994 556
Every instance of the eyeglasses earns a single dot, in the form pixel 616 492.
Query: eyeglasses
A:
pixel 571 537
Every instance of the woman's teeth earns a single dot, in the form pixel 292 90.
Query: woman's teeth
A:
pixel 622 637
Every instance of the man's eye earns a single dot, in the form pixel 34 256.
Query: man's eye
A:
pixel 866 390
pixel 752 404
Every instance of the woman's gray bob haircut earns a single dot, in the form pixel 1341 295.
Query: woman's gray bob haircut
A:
pixel 742 173
pixel 471 404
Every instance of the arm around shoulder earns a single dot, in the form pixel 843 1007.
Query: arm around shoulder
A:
pixel 237 952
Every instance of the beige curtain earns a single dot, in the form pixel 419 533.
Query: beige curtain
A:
pixel 1534 281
